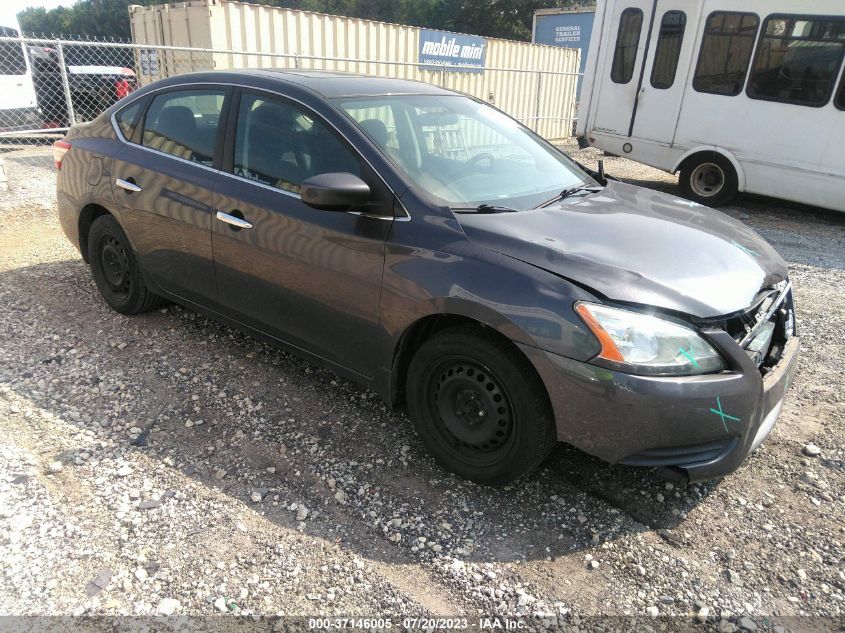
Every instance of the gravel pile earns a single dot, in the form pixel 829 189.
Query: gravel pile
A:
pixel 166 464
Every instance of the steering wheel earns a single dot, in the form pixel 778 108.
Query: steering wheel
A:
pixel 479 158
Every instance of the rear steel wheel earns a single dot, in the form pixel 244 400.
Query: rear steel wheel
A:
pixel 115 266
pixel 116 270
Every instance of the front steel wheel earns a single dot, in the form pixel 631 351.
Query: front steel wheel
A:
pixel 478 406
pixel 474 417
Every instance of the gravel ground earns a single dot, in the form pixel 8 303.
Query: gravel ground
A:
pixel 168 464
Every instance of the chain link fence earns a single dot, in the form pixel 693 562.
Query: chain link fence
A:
pixel 48 85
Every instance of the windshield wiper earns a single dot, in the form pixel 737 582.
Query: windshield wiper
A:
pixel 569 192
pixel 485 208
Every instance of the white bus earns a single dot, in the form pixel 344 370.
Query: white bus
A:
pixel 736 96
pixel 18 106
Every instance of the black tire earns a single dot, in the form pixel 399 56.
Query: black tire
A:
pixel 709 178
pixel 478 406
pixel 115 269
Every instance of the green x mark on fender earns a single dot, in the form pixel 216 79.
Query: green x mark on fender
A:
pixel 687 353
pixel 724 415
pixel 745 249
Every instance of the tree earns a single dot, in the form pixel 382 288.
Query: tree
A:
pixel 101 19
pixel 509 19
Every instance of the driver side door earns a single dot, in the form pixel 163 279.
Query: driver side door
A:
pixel 310 278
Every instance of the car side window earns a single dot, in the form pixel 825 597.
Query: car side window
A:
pixel 127 117
pixel 12 60
pixel 627 42
pixel 183 123
pixel 378 123
pixel 281 144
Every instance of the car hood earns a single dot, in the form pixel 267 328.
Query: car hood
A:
pixel 636 245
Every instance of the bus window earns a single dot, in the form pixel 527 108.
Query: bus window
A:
pixel 668 49
pixel 797 59
pixel 627 41
pixel 840 96
pixel 725 52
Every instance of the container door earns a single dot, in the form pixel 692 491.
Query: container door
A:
pixel 661 91
pixel 620 67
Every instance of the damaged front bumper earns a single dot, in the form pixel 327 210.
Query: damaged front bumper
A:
pixel 696 427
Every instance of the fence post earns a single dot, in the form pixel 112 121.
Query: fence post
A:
pixel 539 102
pixel 71 116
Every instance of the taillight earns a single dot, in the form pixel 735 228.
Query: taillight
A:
pixel 122 88
pixel 60 148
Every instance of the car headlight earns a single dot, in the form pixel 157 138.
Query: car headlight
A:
pixel 642 344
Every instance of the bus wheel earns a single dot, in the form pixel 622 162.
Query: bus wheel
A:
pixel 709 178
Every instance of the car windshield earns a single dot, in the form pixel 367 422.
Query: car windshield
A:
pixel 464 153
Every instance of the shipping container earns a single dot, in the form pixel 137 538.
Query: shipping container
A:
pixel 535 84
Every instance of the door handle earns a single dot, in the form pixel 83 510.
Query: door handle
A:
pixel 234 221
pixel 128 184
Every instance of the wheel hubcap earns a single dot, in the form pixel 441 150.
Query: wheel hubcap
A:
pixel 473 408
pixel 469 408
pixel 707 180
pixel 115 265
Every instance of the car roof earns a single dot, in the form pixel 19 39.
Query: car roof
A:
pixel 329 84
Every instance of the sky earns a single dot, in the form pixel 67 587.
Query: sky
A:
pixel 10 8
pixel 20 5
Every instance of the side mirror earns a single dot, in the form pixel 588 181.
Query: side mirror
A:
pixel 334 192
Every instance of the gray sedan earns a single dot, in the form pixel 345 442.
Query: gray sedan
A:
pixel 431 248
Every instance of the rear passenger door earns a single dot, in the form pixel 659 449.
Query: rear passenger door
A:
pixel 163 182
pixel 311 278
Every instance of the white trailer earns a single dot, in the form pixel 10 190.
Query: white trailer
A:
pixel 743 96
pixel 18 107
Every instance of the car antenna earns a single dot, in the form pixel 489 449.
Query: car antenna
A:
pixel 601 172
